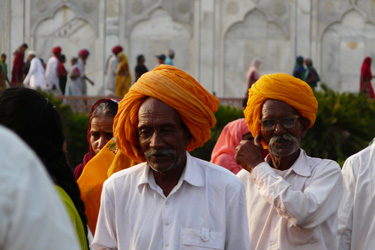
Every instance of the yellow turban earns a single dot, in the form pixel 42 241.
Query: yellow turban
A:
pixel 195 105
pixel 283 87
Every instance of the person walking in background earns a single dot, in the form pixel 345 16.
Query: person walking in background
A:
pixel 5 67
pixel 169 60
pixel 29 114
pixel 82 58
pixel 140 69
pixel 74 83
pixel 51 71
pixel 62 73
pixel 299 69
pixel 110 72
pixel 160 58
pixel 365 85
pixel 31 214
pixel 18 65
pixel 252 75
pixel 310 75
pixel 35 77
pixel 123 78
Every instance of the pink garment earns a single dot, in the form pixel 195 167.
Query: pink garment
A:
pixel 252 75
pixel 225 148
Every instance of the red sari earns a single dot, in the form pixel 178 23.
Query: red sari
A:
pixel 366 76
pixel 17 71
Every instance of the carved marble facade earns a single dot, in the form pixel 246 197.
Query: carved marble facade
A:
pixel 214 40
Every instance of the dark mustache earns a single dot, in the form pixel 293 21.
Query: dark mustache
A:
pixel 160 152
pixel 287 137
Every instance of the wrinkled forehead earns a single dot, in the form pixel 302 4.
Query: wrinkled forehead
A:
pixel 277 108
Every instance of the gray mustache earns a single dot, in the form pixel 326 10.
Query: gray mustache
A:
pixel 160 152
pixel 287 137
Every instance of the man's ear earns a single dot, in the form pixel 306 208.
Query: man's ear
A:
pixel 304 126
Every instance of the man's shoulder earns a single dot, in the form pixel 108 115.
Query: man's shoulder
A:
pixel 363 158
pixel 216 173
pixel 323 165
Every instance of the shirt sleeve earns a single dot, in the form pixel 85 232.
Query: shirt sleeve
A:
pixel 345 212
pixel 105 232
pixel 305 209
pixel 237 232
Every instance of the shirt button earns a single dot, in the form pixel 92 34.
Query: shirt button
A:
pixel 166 244
pixel 167 223
pixel 167 202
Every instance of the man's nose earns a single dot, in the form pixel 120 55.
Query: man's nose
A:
pixel 156 140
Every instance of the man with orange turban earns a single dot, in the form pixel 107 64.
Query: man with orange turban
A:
pixel 172 200
pixel 292 199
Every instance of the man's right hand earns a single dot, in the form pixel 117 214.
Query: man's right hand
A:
pixel 249 153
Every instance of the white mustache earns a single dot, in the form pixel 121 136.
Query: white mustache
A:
pixel 287 137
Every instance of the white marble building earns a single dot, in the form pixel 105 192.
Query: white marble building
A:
pixel 214 40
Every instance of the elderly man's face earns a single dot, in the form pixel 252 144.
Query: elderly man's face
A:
pixel 162 136
pixel 282 128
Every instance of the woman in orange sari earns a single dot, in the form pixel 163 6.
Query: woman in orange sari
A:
pixel 123 78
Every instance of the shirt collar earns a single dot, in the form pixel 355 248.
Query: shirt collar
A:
pixel 192 174
pixel 300 166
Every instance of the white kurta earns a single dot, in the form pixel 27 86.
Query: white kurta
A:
pixel 294 208
pixel 110 83
pixel 81 64
pixel 32 215
pixel 357 207
pixel 51 75
pixel 205 210
pixel 35 77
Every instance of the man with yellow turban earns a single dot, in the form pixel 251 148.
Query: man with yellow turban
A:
pixel 171 200
pixel 292 199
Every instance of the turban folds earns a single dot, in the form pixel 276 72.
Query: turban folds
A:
pixel 56 50
pixel 116 50
pixel 283 87
pixel 195 105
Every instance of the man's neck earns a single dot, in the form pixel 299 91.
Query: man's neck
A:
pixel 283 162
pixel 167 180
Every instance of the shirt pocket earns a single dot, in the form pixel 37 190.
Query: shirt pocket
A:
pixel 299 236
pixel 200 239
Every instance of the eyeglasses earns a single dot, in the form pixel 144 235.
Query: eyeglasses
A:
pixel 286 122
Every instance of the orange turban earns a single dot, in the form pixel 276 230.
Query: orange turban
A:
pixel 283 87
pixel 195 105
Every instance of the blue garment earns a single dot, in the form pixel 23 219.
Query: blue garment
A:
pixel 168 61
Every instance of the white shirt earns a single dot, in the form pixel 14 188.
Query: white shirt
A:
pixel 32 215
pixel 51 74
pixel 357 207
pixel 81 64
pixel 205 210
pixel 110 78
pixel 35 77
pixel 294 208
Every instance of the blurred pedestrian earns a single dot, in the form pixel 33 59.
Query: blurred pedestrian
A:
pixel 123 77
pixel 169 60
pixel 82 58
pixel 299 69
pixel 310 75
pixel 35 77
pixel 140 69
pixel 366 77
pixel 62 73
pixel 111 67
pixel 18 65
pixel 52 77
pixel 161 58
pixel 5 67
pixel 253 75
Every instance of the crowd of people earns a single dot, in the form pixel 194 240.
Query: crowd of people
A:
pixel 139 187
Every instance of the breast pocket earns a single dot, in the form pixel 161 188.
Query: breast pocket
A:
pixel 200 239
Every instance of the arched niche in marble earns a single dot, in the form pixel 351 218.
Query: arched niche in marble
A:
pixel 156 35
pixel 67 30
pixel 344 46
pixel 254 37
